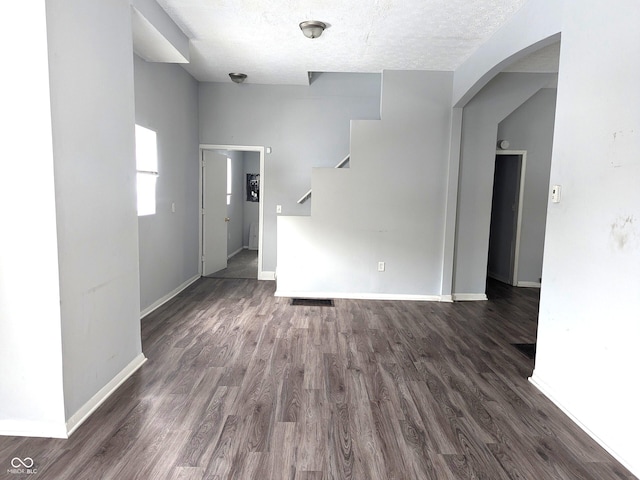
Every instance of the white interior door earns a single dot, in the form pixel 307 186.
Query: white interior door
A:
pixel 214 204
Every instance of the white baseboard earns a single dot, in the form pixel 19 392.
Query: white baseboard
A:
pixel 446 298
pixel 469 297
pixel 158 303
pixel 105 392
pixel 64 430
pixel 547 391
pixel 529 284
pixel 266 275
pixel 233 254
pixel 360 296
pixel 21 428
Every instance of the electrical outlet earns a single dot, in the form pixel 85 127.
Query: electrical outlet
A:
pixel 381 266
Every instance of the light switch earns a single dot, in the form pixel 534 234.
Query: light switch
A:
pixel 555 194
pixel 278 208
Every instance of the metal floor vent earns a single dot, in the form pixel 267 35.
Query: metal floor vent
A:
pixel 312 302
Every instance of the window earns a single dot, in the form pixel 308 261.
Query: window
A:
pixel 147 170
pixel 228 181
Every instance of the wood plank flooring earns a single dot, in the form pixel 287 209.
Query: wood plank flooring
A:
pixel 241 385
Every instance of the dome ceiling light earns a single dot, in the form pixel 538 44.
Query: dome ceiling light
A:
pixel 238 77
pixel 312 28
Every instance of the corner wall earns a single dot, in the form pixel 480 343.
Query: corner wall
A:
pixel 92 105
pixel 530 128
pixel 166 101
pixel 481 117
pixel 587 355
pixel 30 322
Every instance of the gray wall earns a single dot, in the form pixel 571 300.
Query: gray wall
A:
pixel 305 126
pixel 92 109
pixel 481 117
pixel 388 206
pixel 251 209
pixel 530 128
pixel 166 99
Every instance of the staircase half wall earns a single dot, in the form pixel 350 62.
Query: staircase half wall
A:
pixel 389 206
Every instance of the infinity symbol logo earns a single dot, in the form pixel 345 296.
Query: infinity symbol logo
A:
pixel 27 462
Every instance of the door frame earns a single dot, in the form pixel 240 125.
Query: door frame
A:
pixel 523 170
pixel 262 275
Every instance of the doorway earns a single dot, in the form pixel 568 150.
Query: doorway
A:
pixel 506 216
pixel 231 219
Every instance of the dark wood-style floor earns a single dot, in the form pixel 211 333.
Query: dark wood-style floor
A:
pixel 241 385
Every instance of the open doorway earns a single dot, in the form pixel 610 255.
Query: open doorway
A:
pixel 506 216
pixel 231 203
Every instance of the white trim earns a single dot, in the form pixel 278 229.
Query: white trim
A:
pixel 240 148
pixel 25 428
pixel 529 284
pixel 304 197
pixel 451 206
pixel 547 391
pixel 200 207
pixel 360 296
pixel 342 162
pixel 446 298
pixel 523 171
pixel 469 297
pixel 233 254
pixel 105 392
pixel 266 275
pixel 161 301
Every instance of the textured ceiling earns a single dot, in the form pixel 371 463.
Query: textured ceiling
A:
pixel 262 39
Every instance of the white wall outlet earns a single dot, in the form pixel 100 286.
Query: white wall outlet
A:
pixel 381 266
pixel 555 193
pixel 173 207
pixel 278 208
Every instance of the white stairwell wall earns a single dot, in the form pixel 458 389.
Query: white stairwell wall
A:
pixel 389 206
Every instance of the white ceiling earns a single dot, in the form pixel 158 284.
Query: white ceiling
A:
pixel 262 39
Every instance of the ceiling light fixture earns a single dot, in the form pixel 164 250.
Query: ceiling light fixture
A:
pixel 238 77
pixel 312 28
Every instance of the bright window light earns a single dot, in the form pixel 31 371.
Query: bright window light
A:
pixel 229 181
pixel 147 170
